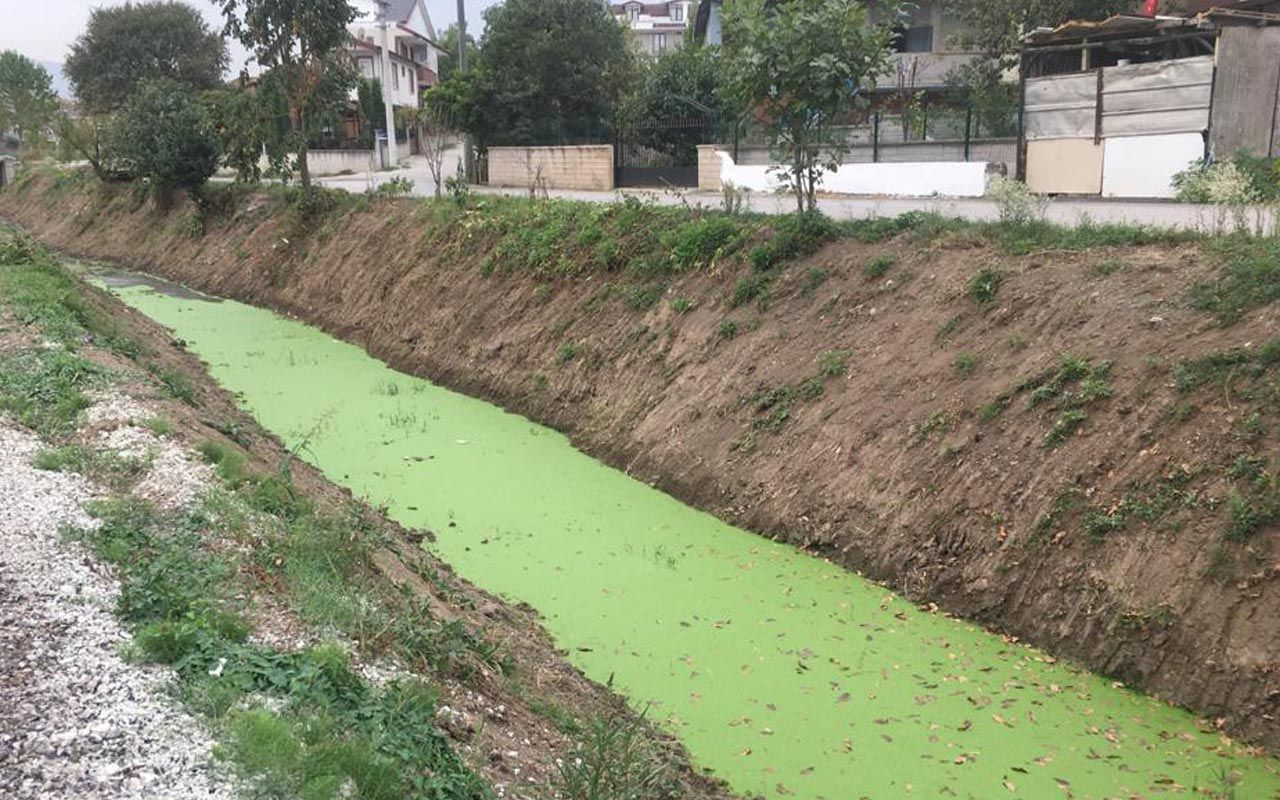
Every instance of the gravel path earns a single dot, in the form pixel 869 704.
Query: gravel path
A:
pixel 76 720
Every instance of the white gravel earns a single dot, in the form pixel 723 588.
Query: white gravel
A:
pixel 76 720
pixel 173 479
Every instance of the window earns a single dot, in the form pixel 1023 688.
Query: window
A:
pixel 677 13
pixel 659 42
pixel 917 39
pixel 633 13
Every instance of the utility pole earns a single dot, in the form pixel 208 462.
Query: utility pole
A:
pixel 468 166
pixel 383 5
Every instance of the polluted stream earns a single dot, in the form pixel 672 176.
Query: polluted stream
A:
pixel 785 675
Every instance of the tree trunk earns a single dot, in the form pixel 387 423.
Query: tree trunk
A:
pixel 300 130
pixel 304 172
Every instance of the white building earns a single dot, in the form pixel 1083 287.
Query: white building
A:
pixel 657 26
pixel 411 41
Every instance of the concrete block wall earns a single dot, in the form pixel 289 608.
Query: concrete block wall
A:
pixel 335 162
pixel 569 167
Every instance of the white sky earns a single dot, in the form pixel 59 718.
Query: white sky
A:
pixel 43 30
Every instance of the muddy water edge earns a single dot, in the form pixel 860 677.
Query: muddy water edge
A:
pixel 786 675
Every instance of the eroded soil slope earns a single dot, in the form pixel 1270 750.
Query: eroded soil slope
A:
pixel 1057 444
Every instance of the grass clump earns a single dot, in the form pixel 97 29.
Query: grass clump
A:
pixel 44 294
pixel 1066 425
pixel 44 388
pixel 681 305
pixel 294 724
pixel 228 462
pixel 813 279
pixel 922 225
pixel 965 363
pixel 1071 388
pixel 984 286
pixel 1254 502
pixel 160 426
pixel 773 405
pixel 878 266
pixel 568 352
pixel 1223 366
pixel 176 384
pixel 1150 504
pixel 833 363
pixel 614 760
pixel 753 287
pixel 727 329
pixel 697 243
pixel 1250 277
pixel 794 235
pixel 105 466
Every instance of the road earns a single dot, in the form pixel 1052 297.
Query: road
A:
pixel 1063 211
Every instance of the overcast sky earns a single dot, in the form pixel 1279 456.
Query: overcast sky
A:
pixel 44 29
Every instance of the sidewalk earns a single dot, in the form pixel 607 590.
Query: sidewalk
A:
pixel 1062 210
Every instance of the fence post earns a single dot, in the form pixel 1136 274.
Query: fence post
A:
pixel 875 137
pixel 924 121
pixel 968 128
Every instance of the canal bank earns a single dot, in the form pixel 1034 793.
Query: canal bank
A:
pixel 783 673
pixel 1038 429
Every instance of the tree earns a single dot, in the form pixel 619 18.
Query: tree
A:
pixel 300 43
pixel 680 84
pixel 163 134
pixel 448 60
pixel 373 112
pixel 250 121
pixel 126 45
pixel 799 67
pixel 996 27
pixel 434 137
pixel 27 99
pixel 549 71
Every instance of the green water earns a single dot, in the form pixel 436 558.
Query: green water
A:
pixel 784 674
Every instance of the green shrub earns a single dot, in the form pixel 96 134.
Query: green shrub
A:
pixel 752 287
pixel 833 363
pixel 815 277
pixel 984 286
pixel 44 388
pixel 965 363
pixel 567 352
pixel 163 134
pixel 698 242
pixel 878 266
pixel 1250 277
pixel 614 760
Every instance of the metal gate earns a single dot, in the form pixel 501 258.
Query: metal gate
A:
pixel 660 153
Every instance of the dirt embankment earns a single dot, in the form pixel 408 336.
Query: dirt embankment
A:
pixel 1111 506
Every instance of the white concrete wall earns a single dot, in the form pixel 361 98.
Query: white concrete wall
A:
pixel 904 179
pixel 1144 166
